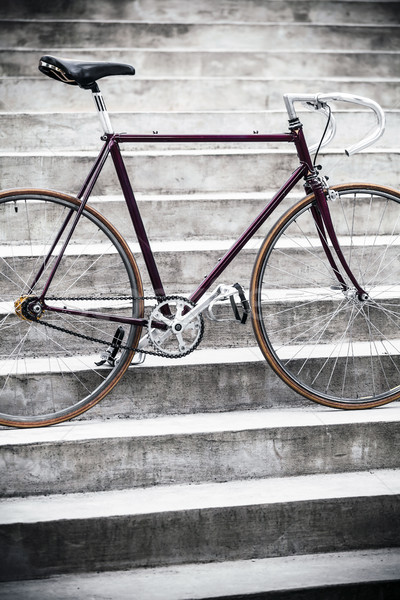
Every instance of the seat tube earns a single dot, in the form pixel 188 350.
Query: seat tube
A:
pixel 137 222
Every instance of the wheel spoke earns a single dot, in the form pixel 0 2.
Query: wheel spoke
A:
pixel 338 350
pixel 48 375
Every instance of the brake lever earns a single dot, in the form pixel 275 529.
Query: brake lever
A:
pixel 322 107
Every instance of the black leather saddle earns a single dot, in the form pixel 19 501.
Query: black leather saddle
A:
pixel 84 74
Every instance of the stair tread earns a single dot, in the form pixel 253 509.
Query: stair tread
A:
pixel 251 10
pixel 217 579
pixel 206 356
pixel 198 423
pixel 177 498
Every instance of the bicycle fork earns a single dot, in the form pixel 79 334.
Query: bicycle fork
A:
pixel 325 229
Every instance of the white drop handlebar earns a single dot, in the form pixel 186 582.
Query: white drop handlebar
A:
pixel 319 102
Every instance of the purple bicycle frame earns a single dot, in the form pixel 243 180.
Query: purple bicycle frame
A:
pixel 111 146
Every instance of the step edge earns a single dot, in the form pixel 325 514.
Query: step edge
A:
pixel 199 424
pixel 204 496
pixel 215 579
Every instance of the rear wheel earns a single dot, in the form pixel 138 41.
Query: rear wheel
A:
pixel 328 344
pixel 47 375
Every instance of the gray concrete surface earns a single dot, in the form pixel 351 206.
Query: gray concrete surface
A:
pixel 98 456
pixel 189 171
pixel 316 575
pixel 247 36
pixel 220 487
pixel 157 526
pixel 143 93
pixel 170 11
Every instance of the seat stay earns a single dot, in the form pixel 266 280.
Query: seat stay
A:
pixel 83 196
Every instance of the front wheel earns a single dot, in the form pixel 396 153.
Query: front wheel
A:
pixel 48 374
pixel 325 342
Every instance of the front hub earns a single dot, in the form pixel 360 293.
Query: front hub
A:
pixel 355 297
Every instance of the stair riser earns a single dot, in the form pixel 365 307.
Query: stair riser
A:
pixel 179 271
pixel 231 334
pixel 183 271
pixel 172 94
pixel 191 219
pixel 47 548
pixel 80 132
pixel 211 217
pixel 122 463
pixel 192 173
pixel 225 334
pixel 50 34
pixel 314 11
pixel 179 389
pixel 198 63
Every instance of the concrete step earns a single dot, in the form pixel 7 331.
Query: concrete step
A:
pixel 296 481
pixel 188 93
pixel 81 131
pixel 231 214
pixel 192 171
pixel 227 332
pixel 175 11
pixel 224 334
pixel 150 62
pixel 176 218
pixel 183 265
pixel 352 575
pixel 196 448
pixel 235 379
pixel 240 520
pixel 23 33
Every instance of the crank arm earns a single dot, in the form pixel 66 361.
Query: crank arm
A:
pixel 221 292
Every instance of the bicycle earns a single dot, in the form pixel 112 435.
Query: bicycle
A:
pixel 324 293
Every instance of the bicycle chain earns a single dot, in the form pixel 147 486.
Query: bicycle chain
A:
pixel 124 346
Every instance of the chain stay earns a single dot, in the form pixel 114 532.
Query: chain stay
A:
pixel 122 346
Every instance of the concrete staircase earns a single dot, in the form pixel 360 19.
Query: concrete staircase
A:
pixel 205 477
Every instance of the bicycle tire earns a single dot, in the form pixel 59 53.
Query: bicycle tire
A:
pixel 48 376
pixel 327 344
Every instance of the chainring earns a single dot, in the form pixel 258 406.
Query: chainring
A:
pixel 167 334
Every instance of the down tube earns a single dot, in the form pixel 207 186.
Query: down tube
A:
pixel 248 234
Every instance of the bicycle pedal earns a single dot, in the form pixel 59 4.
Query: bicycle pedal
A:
pixel 108 356
pixel 244 302
pixel 230 292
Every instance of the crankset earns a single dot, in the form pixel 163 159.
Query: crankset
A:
pixel 172 329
